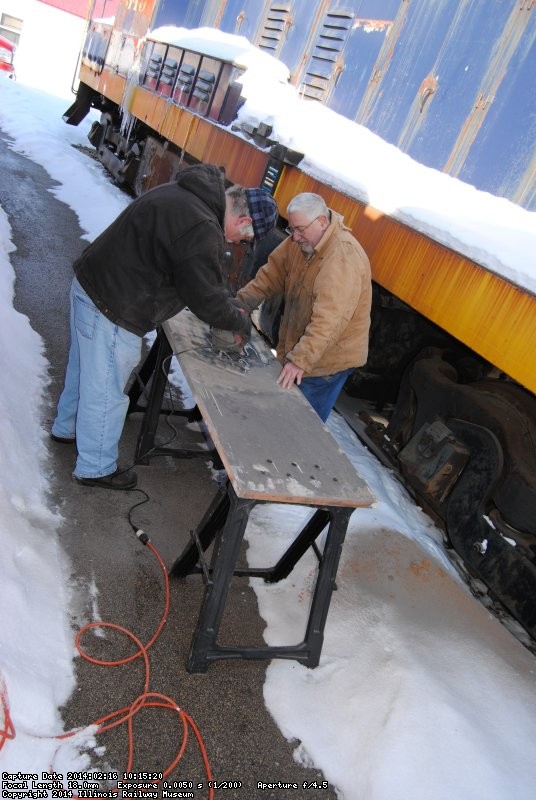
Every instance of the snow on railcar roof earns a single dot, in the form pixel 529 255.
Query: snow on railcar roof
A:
pixel 225 46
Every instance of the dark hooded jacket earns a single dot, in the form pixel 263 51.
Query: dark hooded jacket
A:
pixel 164 252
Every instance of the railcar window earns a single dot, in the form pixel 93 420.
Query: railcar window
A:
pixel 205 84
pixel 153 71
pixel 167 76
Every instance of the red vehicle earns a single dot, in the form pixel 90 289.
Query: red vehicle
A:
pixel 7 52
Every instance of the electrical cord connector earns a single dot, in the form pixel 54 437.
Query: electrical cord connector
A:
pixel 142 536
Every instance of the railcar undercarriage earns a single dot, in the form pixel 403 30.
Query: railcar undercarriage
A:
pixel 463 439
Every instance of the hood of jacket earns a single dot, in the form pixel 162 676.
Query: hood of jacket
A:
pixel 206 182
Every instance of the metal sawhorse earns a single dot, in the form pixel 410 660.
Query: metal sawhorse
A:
pixel 224 523
pixel 274 449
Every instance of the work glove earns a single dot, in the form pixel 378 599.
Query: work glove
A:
pixel 227 341
pixel 233 341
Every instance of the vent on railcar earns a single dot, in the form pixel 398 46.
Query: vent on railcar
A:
pixel 271 36
pixel 326 62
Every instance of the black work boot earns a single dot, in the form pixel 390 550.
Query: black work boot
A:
pixel 120 479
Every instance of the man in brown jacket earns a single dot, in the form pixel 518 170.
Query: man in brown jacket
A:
pixel 324 275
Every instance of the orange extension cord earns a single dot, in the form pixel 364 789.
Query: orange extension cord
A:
pixel 146 699
pixel 8 731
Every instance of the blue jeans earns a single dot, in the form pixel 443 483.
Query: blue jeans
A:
pixel 322 392
pixel 93 405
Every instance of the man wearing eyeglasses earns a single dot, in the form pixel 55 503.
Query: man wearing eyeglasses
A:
pixel 323 274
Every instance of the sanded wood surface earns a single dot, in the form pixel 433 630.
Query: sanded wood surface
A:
pixel 273 445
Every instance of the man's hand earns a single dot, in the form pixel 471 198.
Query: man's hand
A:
pixel 289 374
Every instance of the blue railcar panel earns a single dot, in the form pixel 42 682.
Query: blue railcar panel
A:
pixel 375 9
pixel 412 53
pixel 501 160
pixel 465 56
pixel 242 17
pixel 460 67
pixel 362 50
pixel 181 13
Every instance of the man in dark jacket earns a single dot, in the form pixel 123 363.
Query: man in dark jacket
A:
pixel 164 252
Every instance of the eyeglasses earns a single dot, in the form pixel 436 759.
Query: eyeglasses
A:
pixel 300 229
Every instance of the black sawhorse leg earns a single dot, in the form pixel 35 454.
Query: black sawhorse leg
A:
pixel 156 366
pixel 207 530
pixel 224 524
pixel 160 350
